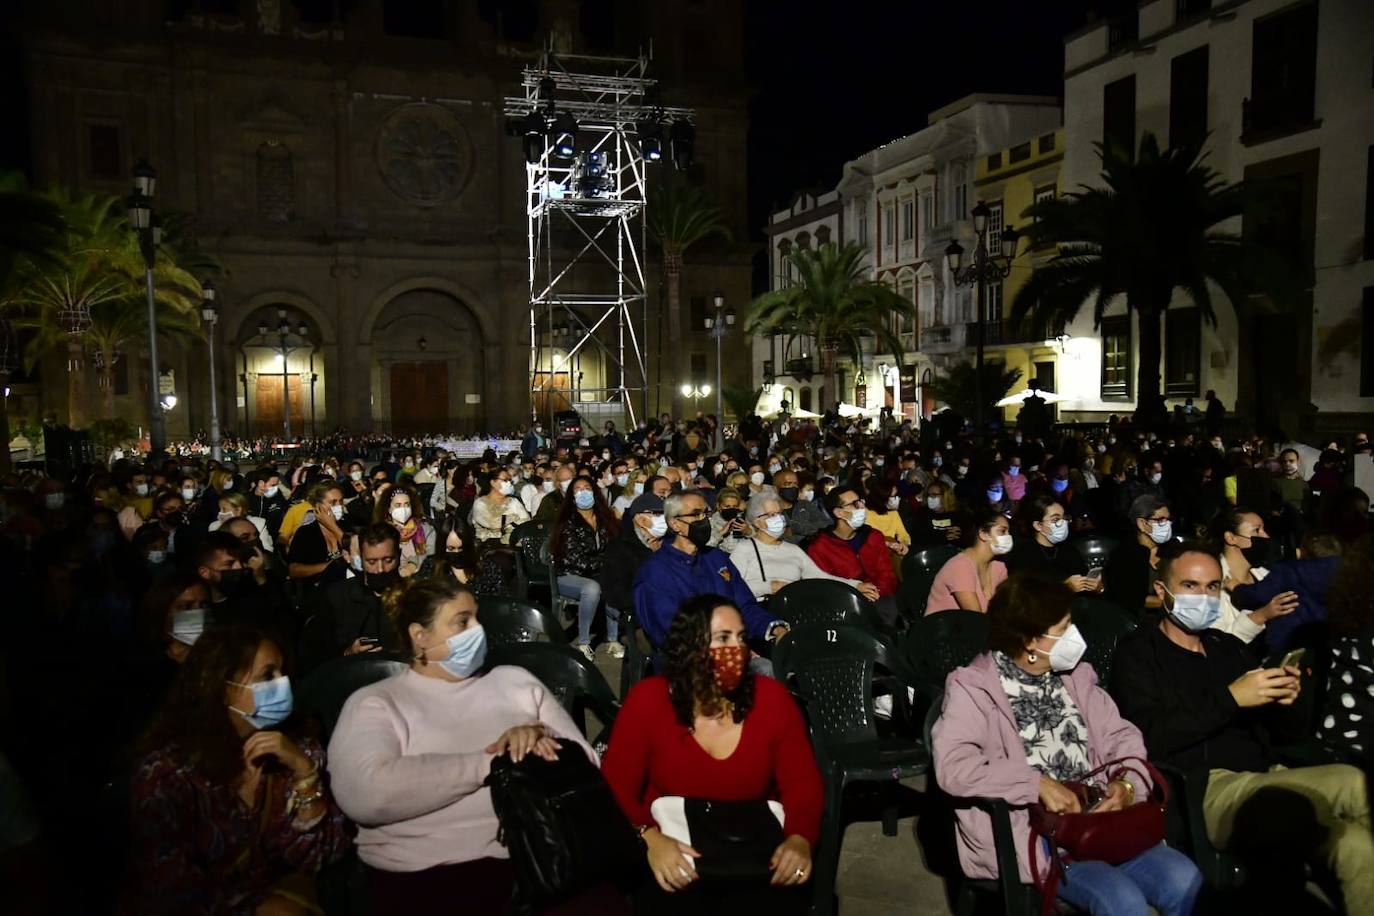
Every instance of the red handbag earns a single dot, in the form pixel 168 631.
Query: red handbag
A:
pixel 1109 836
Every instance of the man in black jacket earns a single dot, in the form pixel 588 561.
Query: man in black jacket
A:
pixel 354 606
pixel 1203 702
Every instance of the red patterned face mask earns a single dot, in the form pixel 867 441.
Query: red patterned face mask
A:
pixel 727 665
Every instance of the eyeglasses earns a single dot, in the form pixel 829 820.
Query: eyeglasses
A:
pixel 699 514
pixel 856 504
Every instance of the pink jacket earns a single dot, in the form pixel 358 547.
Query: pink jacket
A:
pixel 978 753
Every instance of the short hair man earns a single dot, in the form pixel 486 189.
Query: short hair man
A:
pixel 1127 573
pixel 853 550
pixel 355 604
pixel 804 517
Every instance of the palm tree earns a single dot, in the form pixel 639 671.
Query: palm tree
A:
pixel 30 230
pixel 957 387
pixel 118 325
pixel 833 302
pixel 679 216
pixel 1149 230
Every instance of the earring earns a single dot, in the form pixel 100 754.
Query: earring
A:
pixel 1030 657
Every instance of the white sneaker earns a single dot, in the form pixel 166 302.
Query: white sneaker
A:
pixel 614 649
pixel 586 651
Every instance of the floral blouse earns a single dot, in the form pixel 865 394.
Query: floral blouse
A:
pixel 199 850
pixel 1048 720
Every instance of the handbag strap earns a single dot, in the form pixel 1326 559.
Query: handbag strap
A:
pixel 1049 887
pixel 1146 770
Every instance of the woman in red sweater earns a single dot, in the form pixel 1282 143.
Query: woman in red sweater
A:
pixel 684 734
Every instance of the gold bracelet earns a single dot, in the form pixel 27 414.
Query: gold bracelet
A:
pixel 1130 790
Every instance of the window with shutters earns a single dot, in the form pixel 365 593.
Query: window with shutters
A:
pixel 1188 98
pixel 276 182
pixel 1118 118
pixel 1182 352
pixel 1116 358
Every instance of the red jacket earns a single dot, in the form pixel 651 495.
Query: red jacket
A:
pixel 872 562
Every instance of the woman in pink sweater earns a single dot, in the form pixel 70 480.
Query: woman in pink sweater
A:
pixel 410 754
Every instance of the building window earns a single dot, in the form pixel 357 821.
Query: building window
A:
pixel 937 308
pixel 1367 344
pixel 994 162
pixel 992 313
pixel 995 228
pixel 698 313
pixel 1283 71
pixel 804 398
pixel 959 190
pixel 1044 194
pixel 1020 153
pixel 698 368
pixel 928 210
pixel 1182 352
pixel 106 159
pixel 1281 216
pixel 889 225
pixel 276 182
pixel 908 220
pixel 1118 118
pixel 1116 358
pixel 906 288
pixel 1046 144
pixel 1188 98
pixel 804 241
pixel 822 236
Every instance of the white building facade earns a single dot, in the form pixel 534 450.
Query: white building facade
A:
pixel 1282 92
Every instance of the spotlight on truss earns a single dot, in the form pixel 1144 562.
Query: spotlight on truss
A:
pixel 564 136
pixel 683 137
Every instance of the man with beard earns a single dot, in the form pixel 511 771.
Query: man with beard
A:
pixel 355 604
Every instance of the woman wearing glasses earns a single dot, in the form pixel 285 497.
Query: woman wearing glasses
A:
pixel 767 562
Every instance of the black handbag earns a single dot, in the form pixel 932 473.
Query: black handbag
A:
pixel 736 839
pixel 563 827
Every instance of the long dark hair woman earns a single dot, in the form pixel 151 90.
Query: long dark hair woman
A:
pixel 682 734
pixel 456 556
pixel 582 530
pixel 231 811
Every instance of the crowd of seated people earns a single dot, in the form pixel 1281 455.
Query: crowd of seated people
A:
pixel 187 597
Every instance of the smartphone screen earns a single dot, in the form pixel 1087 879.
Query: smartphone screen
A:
pixel 1095 572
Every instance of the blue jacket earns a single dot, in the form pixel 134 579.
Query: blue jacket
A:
pixel 1309 578
pixel 531 444
pixel 669 577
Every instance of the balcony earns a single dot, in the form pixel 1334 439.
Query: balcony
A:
pixel 942 338
pixel 1009 333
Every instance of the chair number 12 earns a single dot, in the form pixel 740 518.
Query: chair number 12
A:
pixel 830 635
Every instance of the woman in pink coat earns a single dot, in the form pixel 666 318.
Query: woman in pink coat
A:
pixel 1024 718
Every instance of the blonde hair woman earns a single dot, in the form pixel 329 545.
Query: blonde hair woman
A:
pixel 235 505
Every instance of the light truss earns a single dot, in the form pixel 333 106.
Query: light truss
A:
pixel 586 224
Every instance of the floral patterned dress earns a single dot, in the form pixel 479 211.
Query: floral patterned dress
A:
pixel 199 850
pixel 1048 720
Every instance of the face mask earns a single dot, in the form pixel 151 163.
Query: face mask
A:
pixel 504 487
pixel 141 489
pixel 1259 553
pixel 621 480
pixel 380 582
pixel 271 702
pixel 548 486
pixel 188 493
pixel 157 557
pixel 808 495
pixel 1068 649
pixel 605 456
pixel 1217 444
pixel 1058 532
pixel 1001 545
pixel 563 485
pixel 658 526
pixel 1059 486
pixel 728 665
pixel 788 494
pixel 409 463
pixel 1194 613
pixel 699 533
pixel 937 461
pixel 355 475
pixel 400 514
pixel 466 651
pixel 995 496
pixel 1018 440
pixel 893 502
pixel 963 470
pixel 584 499
pixel 271 491
pixel 337 511
pixel 756 478
pixel 1089 464
pixel 55 501
pixel 638 488
pixel 1161 531
pixel 357 562
pixel 1290 467
pixel 229 484
pixel 1014 470
pixel 1156 478
pixel 775 526
pixel 878 462
pixel 858 517
pixel 187 625
pixel 934 503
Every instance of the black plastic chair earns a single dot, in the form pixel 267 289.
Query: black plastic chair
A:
pixel 833 670
pixel 938 643
pixel 1187 828
pixel 636 665
pixel 324 691
pixel 1095 549
pixel 530 542
pixel 919 569
pixel 1102 624
pixel 508 620
pixel 808 602
pixel 575 681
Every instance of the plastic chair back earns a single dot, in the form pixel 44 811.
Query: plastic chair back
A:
pixel 324 691
pixel 530 541
pixel 813 602
pixel 938 643
pixel 1102 624
pixel 575 681
pixel 833 671
pixel 509 620
pixel 919 569
pixel 1095 549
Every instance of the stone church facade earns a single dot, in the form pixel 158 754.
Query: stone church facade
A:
pixel 357 179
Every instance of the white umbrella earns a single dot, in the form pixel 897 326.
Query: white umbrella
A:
pixel 851 410
pixel 1019 398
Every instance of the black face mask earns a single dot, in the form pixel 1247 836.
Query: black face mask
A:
pixel 235 582
pixel 380 582
pixel 729 514
pixel 788 494
pixel 699 533
pixel 1260 552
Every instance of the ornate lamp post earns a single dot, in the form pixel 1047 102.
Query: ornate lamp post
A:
pixel 696 393
pixel 210 312
pixel 986 267
pixel 718 324
pixel 284 344
pixel 148 228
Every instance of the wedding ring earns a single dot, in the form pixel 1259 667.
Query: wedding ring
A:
pixel 801 873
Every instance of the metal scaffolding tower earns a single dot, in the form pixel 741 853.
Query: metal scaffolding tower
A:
pixel 590 135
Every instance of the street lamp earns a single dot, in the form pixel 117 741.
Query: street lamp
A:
pixel 696 393
pixel 148 228
pixel 718 324
pixel 986 267
pixel 286 342
pixel 209 311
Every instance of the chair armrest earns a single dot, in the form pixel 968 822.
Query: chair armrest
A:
pixel 1306 754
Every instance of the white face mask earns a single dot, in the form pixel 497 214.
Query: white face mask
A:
pixel 893 502
pixel 337 511
pixel 400 514
pixel 504 487
pixel 1058 532
pixel 658 526
pixel 1156 478
pixel 756 478
pixel 1068 649
pixel 563 485
pixel 187 625
pixel 621 480
pixel 224 516
pixel 1161 532
pixel 188 493
pixel 141 489
pixel 355 475
pixel 808 495
pixel 934 503
pixel 775 526
pixel 858 517
pixel 1001 545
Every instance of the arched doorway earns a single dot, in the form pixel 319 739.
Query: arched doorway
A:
pixel 280 372
pixel 429 373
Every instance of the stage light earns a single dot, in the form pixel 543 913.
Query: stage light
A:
pixel 564 136
pixel 684 138
pixel 534 136
pixel 650 140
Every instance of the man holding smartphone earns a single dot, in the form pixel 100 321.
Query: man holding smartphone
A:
pixel 1203 701
pixel 355 604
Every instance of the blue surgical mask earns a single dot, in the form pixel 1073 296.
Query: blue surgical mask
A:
pixel 1014 470
pixel 1058 532
pixel 466 651
pixel 272 702
pixel 995 495
pixel 1195 613
pixel 584 499
pixel 1161 531
pixel 1058 485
